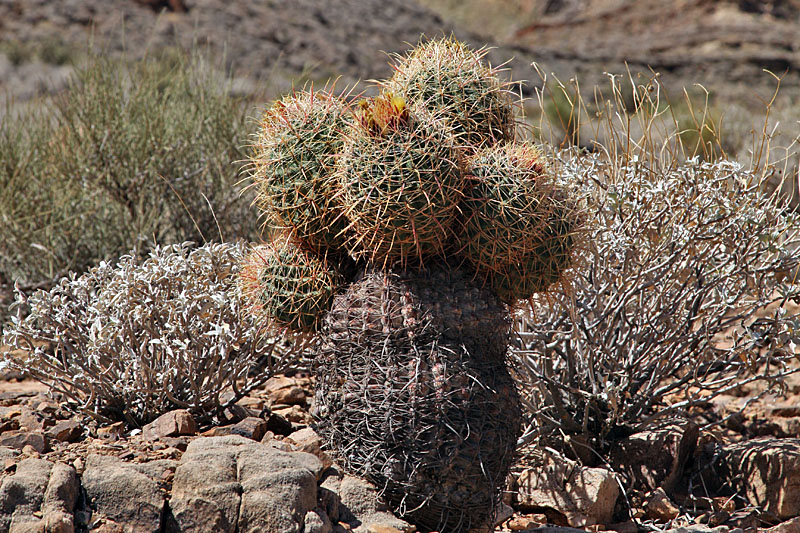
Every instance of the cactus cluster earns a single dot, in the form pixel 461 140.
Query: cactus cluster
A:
pixel 408 224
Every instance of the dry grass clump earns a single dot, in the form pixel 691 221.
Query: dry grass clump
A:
pixel 128 156
pixel 134 340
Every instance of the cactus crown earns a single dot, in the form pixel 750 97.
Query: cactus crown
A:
pixel 400 183
pixel 448 77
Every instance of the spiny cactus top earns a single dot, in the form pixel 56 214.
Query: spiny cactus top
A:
pixel 447 77
pixel 517 229
pixel 287 286
pixel 400 182
pixel 293 163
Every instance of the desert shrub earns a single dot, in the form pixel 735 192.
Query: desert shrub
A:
pixel 132 341
pixel 128 156
pixel 682 293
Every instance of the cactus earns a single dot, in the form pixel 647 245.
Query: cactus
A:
pixel 292 166
pixel 448 77
pixel 289 287
pixel 517 229
pixel 400 181
pixel 413 393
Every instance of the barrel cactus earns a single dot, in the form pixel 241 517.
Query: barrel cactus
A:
pixel 446 76
pixel 400 183
pixel 292 165
pixel 517 228
pixel 413 393
pixel 288 287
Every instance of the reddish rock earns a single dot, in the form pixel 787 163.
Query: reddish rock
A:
pixel 307 440
pixel 20 439
pixel 284 391
pixel 659 507
pixel 251 428
pixel 65 431
pixel 171 424
pixel 656 458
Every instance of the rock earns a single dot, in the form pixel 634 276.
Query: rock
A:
pixel 171 424
pixel 40 496
pixel 362 508
pixel 656 458
pixel 699 528
pixel 19 439
pixel 282 390
pixel 65 431
pixel 279 425
pixel 8 454
pixel 307 440
pixel 659 507
pixel 232 483
pixel 585 496
pixel 127 493
pixel 317 521
pixel 503 513
pixel 767 472
pixel 790 526
pixel 112 432
pixel 251 428
pixel 328 494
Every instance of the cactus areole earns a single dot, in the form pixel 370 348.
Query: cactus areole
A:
pixel 408 225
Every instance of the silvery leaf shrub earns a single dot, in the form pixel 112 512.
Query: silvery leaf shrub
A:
pixel 133 340
pixel 685 290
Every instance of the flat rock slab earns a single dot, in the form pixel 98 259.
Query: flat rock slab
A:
pixel 127 493
pixel 584 496
pixel 232 483
pixel 767 472
pixel 39 496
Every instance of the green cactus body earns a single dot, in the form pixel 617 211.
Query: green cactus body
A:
pixel 517 230
pixel 293 163
pixel 448 77
pixel 287 286
pixel 400 183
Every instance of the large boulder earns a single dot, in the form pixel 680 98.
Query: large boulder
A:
pixel 232 483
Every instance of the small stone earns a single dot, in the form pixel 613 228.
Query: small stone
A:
pixel 502 513
pixel 294 414
pixel 46 407
pixel 790 526
pixel 279 425
pixel 282 390
pixel 20 439
pixel 585 496
pixel 112 432
pixel 521 523
pixel 307 440
pixel 252 403
pixel 171 424
pixel 65 431
pixel 175 442
pixel 251 428
pixel 317 521
pixel 659 507
pixel 767 473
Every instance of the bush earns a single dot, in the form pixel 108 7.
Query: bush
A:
pixel 682 295
pixel 134 341
pixel 129 156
